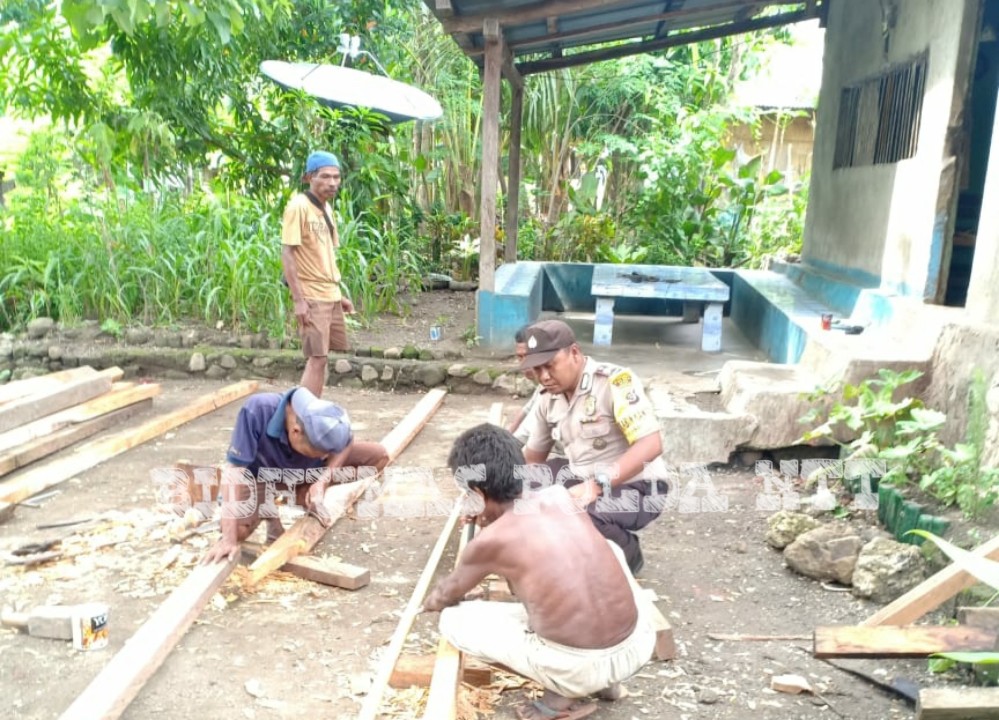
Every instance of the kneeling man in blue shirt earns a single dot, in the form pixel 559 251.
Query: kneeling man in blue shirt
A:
pixel 292 442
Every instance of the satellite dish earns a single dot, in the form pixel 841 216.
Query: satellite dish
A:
pixel 336 86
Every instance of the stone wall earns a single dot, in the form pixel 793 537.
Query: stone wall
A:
pixel 199 353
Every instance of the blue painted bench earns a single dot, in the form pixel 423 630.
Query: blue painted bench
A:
pixel 697 288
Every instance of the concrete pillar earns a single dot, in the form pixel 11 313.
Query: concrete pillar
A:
pixel 983 289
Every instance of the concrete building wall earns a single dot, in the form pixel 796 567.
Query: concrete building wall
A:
pixel 887 224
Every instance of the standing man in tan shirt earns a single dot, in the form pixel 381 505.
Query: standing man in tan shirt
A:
pixel 309 241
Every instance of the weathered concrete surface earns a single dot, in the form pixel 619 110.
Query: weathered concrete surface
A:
pixel 774 394
pixel 964 350
pixel 694 435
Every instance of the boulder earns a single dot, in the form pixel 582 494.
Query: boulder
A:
pixel 506 383
pixel 887 569
pixel 459 370
pixel 429 375
pixel 482 377
pixel 228 361
pixel 197 363
pixel 784 527
pixel 393 353
pixel 138 335
pixel 342 367
pixel 368 374
pixel 828 552
pixel 387 373
pixel 40 327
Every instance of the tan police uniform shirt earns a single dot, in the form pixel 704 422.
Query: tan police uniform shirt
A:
pixel 523 432
pixel 315 248
pixel 608 413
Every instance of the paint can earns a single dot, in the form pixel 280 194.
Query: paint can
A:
pixel 90 626
pixel 827 321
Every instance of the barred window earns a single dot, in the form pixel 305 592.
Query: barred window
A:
pixel 879 117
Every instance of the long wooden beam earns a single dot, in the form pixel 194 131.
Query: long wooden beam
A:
pixel 335 574
pixel 30 482
pixel 856 641
pixel 29 386
pixel 18 457
pixel 931 593
pixel 53 399
pixel 122 394
pixel 117 684
pixel 442 700
pixel 373 700
pixel 307 531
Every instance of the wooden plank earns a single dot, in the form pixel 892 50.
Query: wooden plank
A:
pixel 335 574
pixel 42 447
pixel 496 414
pixel 30 482
pixel 399 438
pixel 986 618
pixel 931 593
pixel 416 671
pixel 373 700
pixel 960 703
pixel 301 537
pixel 665 648
pixel 29 386
pixel 121 395
pixel 899 641
pixel 117 684
pixel 51 400
pixel 442 700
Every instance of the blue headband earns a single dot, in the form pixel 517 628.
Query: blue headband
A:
pixel 320 159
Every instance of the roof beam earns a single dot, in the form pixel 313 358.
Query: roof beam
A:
pixel 553 35
pixel 686 38
pixel 539 11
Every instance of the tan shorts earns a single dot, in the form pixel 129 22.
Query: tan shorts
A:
pixel 326 330
pixel 498 632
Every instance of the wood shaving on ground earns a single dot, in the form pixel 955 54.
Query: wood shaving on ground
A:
pixel 473 703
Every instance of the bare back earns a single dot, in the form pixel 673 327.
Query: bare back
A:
pixel 574 588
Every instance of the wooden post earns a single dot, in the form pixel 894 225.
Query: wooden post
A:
pixel 490 155
pixel 301 537
pixel 513 174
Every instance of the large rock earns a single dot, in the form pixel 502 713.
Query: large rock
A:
pixel 197 363
pixel 429 375
pixel 784 527
pixel 40 327
pixel 828 552
pixel 887 569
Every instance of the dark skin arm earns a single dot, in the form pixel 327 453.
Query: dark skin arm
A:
pixel 475 564
pixel 317 490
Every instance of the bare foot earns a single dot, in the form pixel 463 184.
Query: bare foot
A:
pixel 552 706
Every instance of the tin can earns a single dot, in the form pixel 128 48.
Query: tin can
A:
pixel 90 626
pixel 827 321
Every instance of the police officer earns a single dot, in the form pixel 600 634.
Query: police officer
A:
pixel 608 428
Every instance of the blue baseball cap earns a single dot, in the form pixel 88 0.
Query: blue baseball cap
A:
pixel 320 159
pixel 326 424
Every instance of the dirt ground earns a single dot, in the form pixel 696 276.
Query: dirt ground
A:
pixel 297 649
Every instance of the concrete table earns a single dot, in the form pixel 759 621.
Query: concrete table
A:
pixel 696 287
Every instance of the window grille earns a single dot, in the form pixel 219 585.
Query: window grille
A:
pixel 879 117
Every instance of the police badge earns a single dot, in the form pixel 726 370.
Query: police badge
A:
pixel 590 408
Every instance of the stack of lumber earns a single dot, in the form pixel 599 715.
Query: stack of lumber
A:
pixel 42 415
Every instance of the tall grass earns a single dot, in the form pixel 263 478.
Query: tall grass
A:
pixel 174 260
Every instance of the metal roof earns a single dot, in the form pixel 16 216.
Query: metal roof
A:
pixel 553 34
